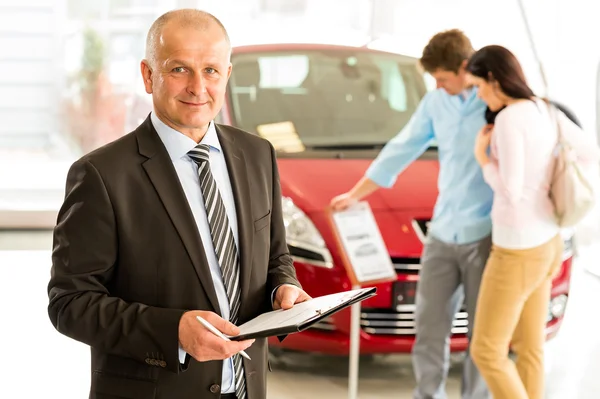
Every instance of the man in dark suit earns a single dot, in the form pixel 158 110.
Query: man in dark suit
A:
pixel 178 219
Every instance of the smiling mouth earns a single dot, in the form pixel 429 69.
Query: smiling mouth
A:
pixel 194 104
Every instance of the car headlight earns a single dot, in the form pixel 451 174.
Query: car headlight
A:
pixel 557 307
pixel 304 240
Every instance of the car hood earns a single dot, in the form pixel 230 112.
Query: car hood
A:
pixel 312 183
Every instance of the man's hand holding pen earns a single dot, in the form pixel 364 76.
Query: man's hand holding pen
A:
pixel 201 344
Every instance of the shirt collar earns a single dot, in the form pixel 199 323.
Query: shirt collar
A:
pixel 177 143
pixel 466 94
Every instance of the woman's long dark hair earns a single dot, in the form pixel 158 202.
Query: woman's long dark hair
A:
pixel 496 63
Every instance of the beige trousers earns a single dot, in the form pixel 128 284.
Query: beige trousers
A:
pixel 511 312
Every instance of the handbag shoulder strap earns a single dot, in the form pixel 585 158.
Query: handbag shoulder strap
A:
pixel 553 111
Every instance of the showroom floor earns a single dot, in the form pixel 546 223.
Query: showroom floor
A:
pixel 31 346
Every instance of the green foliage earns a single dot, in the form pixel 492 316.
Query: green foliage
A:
pixel 93 59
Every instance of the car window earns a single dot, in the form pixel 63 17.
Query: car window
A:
pixel 319 99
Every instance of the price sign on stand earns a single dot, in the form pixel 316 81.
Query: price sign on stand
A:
pixel 367 262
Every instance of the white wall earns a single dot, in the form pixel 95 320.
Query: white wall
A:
pixel 30 74
pixel 569 48
pixel 564 32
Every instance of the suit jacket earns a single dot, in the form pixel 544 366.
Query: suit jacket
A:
pixel 127 262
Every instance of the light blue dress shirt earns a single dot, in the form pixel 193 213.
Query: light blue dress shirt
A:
pixel 178 145
pixel 462 210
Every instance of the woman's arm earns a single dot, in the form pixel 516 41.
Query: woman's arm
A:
pixel 507 175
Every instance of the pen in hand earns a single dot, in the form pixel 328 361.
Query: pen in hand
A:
pixel 218 333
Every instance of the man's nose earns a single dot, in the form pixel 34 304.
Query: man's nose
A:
pixel 196 85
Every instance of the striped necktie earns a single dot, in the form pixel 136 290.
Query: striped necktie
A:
pixel 225 249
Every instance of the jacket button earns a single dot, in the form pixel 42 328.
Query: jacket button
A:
pixel 215 388
pixel 162 364
pixel 148 361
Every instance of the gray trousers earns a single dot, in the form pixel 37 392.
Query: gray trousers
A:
pixel 450 274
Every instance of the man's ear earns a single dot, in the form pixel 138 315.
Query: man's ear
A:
pixel 463 66
pixel 146 75
pixel 229 68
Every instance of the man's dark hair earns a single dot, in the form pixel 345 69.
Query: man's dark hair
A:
pixel 447 51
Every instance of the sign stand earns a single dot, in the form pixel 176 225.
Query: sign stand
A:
pixel 354 349
pixel 367 262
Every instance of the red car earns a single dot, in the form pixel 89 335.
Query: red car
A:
pixel 328 110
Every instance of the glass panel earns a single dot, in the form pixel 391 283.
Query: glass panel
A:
pixel 326 98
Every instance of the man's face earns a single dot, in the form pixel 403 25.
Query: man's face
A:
pixel 188 77
pixel 454 83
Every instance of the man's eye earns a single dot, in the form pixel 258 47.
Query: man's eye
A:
pixel 211 70
pixel 179 69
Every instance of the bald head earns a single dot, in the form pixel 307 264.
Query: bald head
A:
pixel 187 67
pixel 183 18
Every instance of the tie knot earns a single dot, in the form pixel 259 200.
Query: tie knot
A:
pixel 199 154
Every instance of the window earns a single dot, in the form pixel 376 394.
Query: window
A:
pixel 282 72
pixel 325 98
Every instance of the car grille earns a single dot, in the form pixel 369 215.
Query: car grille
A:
pixel 402 321
pixel 407 265
pixel 399 321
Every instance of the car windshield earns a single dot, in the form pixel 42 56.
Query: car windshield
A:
pixel 334 99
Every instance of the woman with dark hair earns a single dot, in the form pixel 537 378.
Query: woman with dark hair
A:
pixel 527 247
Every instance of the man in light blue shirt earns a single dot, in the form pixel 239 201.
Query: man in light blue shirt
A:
pixel 459 238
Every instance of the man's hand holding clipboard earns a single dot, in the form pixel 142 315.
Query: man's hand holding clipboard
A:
pixel 288 295
pixel 301 316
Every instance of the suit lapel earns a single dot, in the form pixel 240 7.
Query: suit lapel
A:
pixel 237 169
pixel 163 176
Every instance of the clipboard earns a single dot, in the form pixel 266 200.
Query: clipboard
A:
pixel 301 316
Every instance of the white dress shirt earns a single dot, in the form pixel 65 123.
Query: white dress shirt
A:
pixel 178 145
